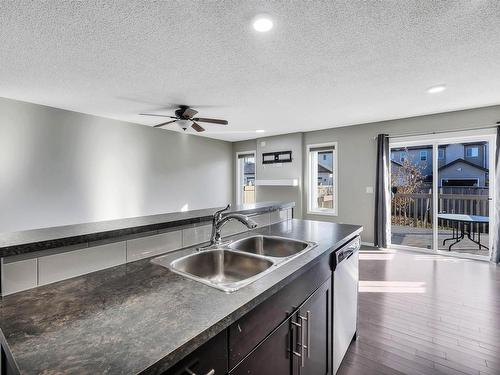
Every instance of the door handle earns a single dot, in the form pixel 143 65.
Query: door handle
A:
pixel 303 346
pixel 300 355
pixel 308 317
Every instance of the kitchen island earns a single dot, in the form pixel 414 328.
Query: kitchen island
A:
pixel 141 318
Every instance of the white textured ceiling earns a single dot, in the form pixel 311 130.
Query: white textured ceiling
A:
pixel 325 64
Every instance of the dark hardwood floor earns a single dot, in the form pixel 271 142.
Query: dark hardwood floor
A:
pixel 425 314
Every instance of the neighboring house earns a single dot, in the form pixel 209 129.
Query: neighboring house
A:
pixel 462 172
pixel 460 164
pixel 421 156
pixel 325 168
pixel 395 168
pixel 249 173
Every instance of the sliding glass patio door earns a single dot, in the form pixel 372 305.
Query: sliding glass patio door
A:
pixel 411 195
pixel 441 195
pixel 464 197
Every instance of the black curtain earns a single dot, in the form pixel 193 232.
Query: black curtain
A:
pixel 382 192
pixel 495 251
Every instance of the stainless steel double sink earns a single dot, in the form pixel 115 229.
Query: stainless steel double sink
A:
pixel 233 265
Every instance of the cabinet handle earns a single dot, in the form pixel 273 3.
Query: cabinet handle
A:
pixel 295 353
pixel 302 346
pixel 308 317
pixel 188 370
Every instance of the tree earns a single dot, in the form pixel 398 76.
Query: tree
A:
pixel 406 180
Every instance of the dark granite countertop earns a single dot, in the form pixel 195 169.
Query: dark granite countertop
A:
pixel 140 318
pixel 15 243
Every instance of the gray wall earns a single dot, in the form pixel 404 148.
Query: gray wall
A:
pixel 357 157
pixel 287 142
pixel 59 167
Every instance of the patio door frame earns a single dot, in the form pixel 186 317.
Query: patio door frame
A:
pixel 436 140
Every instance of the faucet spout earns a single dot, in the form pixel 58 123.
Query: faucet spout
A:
pixel 218 221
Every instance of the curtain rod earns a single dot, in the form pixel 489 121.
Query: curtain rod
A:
pixel 441 132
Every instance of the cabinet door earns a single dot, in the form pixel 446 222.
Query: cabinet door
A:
pixel 314 337
pixel 256 325
pixel 271 356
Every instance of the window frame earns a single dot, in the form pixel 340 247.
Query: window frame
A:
pixel 335 163
pixel 441 153
pixel 238 196
pixel 472 148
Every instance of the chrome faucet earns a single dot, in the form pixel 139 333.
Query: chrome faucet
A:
pixel 218 221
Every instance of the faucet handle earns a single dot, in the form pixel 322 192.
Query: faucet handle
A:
pixel 218 214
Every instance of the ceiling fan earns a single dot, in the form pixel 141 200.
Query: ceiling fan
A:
pixel 184 117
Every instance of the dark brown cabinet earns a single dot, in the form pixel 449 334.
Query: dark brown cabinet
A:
pixel 255 326
pixel 313 334
pixel 301 345
pixel 271 357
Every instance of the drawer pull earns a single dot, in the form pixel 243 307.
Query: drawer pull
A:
pixel 211 372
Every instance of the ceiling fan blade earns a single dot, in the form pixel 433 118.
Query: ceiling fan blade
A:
pixel 211 120
pixel 197 127
pixel 189 112
pixel 155 114
pixel 165 123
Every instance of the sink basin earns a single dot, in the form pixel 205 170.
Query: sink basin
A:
pixel 271 246
pixel 221 268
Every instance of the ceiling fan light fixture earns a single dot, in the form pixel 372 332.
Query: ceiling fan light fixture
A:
pixel 184 124
pixel 262 23
pixel 436 89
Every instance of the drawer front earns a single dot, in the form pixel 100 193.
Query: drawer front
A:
pixel 208 359
pixel 251 329
pixel 271 357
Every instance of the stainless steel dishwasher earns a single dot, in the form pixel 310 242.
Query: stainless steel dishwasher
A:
pixel 345 299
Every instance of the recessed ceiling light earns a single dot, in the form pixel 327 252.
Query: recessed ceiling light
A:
pixel 260 131
pixel 262 23
pixel 436 89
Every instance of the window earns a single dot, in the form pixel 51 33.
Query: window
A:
pixel 472 152
pixel 322 182
pixel 245 182
pixel 423 155
pixel 441 154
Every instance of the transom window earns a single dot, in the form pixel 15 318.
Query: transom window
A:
pixel 322 182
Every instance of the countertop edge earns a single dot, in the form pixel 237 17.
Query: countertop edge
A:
pixel 45 238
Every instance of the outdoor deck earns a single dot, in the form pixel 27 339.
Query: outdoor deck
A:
pixel 422 238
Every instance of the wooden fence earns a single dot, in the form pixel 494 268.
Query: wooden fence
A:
pixel 415 210
pixel 248 194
